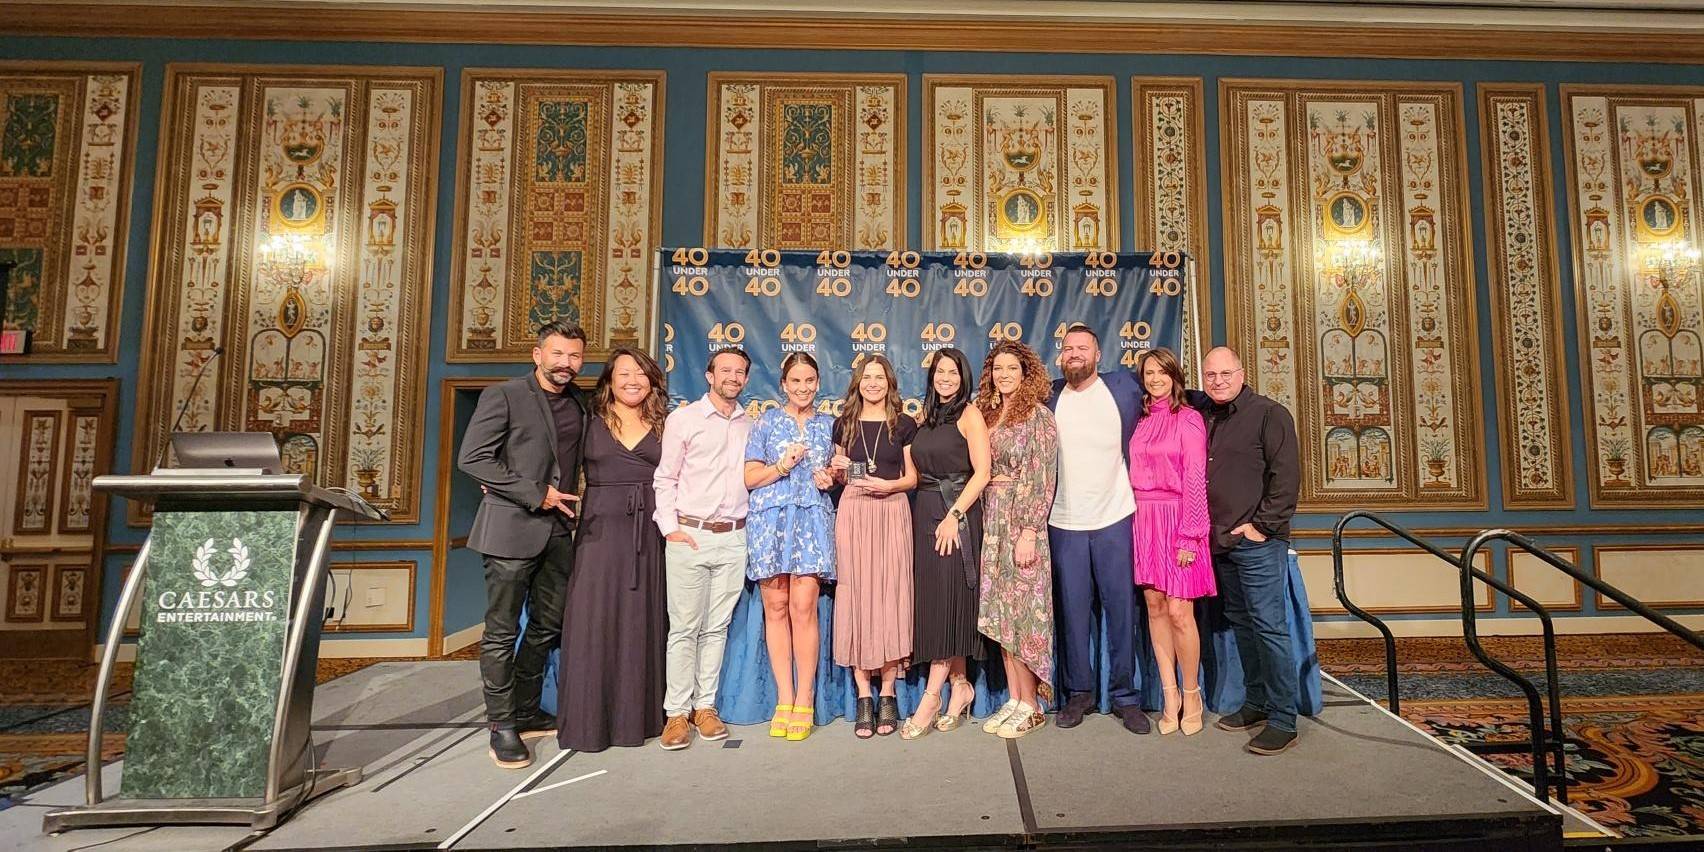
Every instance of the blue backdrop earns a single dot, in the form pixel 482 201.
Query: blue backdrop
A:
pixel 837 305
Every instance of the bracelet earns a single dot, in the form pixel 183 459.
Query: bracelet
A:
pixel 784 471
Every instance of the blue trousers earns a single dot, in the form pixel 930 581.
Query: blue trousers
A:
pixel 1252 586
pixel 1090 565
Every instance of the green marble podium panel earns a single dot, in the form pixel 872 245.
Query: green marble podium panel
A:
pixel 215 607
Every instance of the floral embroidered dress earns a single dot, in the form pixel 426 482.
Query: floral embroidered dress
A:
pixel 1168 470
pixel 790 527
pixel 1016 607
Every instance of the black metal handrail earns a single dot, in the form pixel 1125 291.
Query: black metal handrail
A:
pixel 1471 634
pixel 1541 738
pixel 1636 606
pixel 1375 621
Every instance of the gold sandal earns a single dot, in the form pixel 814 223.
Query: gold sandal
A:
pixel 912 731
pixel 951 721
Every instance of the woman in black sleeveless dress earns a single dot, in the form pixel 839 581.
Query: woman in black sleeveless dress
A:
pixel 950 451
pixel 616 620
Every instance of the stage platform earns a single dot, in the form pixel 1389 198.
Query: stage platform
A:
pixel 1359 776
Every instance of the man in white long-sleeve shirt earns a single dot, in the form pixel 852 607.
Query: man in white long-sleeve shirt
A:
pixel 701 511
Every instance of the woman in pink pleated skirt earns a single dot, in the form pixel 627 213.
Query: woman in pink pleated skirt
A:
pixel 1174 564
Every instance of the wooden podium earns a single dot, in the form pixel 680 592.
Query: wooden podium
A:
pixel 231 581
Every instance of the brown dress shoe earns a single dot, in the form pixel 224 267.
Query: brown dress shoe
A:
pixel 677 733
pixel 710 725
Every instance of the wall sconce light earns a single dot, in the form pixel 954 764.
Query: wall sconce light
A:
pixel 1670 263
pixel 1350 264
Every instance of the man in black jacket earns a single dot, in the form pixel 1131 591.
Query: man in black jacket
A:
pixel 1253 477
pixel 524 446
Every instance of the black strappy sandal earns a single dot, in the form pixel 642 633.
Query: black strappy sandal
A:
pixel 887 716
pixel 865 725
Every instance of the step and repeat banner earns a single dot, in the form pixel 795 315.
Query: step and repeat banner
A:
pixel 840 305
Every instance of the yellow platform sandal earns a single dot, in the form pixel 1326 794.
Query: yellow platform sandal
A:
pixel 801 723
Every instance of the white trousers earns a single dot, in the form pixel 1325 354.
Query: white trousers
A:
pixel 703 586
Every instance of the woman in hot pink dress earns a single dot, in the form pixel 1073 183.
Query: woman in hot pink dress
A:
pixel 1174 563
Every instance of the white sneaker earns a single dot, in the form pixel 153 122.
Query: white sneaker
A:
pixel 1022 721
pixel 1000 716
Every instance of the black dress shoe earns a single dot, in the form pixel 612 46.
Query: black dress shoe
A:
pixel 1271 741
pixel 1135 721
pixel 1076 707
pixel 507 750
pixel 536 726
pixel 1242 720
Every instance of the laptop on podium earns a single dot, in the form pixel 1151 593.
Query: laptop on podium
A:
pixel 248 452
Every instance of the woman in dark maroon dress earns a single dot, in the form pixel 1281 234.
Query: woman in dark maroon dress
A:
pixel 616 623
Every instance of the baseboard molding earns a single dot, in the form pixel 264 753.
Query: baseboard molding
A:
pixel 463 638
pixel 1516 626
pixel 329 649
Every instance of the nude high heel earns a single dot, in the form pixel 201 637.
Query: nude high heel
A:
pixel 1168 720
pixel 1191 723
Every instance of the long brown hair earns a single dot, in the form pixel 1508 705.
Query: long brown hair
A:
pixel 652 409
pixel 1031 392
pixel 1170 366
pixel 852 404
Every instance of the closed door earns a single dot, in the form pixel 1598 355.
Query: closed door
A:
pixel 54 439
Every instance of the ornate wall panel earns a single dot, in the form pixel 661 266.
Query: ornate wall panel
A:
pixel 1634 166
pixel 1532 387
pixel 293 228
pixel 558 209
pixel 33 512
pixel 67 139
pixel 26 593
pixel 1349 283
pixel 76 494
pixel 1171 188
pixel 70 592
pixel 1019 163
pixel 805 161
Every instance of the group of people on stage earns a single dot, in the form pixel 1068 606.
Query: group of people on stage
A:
pixel 1009 503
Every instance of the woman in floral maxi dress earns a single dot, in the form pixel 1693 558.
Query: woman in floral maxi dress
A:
pixel 1016 601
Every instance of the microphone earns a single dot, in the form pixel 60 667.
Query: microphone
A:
pixel 184 408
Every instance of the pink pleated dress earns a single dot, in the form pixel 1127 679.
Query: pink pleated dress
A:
pixel 1168 470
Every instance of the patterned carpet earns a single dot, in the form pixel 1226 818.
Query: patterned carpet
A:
pixel 1634 703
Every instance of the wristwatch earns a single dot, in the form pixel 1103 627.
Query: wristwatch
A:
pixel 958 515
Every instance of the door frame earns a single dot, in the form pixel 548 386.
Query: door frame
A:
pixel 442 540
pixel 106 391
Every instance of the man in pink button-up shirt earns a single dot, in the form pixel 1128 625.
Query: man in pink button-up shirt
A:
pixel 701 510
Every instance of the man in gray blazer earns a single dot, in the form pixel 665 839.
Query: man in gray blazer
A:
pixel 524 446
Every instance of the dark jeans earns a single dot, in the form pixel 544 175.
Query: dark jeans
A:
pixel 1090 564
pixel 513 678
pixel 1252 578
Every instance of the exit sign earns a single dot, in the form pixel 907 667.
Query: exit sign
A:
pixel 14 341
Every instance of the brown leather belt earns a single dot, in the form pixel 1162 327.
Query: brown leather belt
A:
pixel 711 526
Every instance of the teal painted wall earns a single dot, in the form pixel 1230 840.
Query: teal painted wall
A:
pixel 683 211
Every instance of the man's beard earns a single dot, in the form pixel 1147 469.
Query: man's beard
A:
pixel 1078 373
pixel 562 375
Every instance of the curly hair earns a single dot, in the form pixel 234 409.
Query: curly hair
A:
pixel 653 409
pixel 1032 391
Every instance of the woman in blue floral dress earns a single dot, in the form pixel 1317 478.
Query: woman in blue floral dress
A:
pixel 790 537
